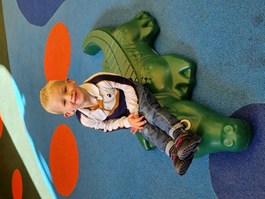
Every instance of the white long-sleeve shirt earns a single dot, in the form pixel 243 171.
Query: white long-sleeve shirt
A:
pixel 108 87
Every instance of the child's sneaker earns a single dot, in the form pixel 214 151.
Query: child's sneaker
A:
pixel 181 166
pixel 185 145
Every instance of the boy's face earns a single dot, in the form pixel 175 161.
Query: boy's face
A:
pixel 66 97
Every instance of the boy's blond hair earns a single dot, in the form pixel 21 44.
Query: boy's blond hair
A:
pixel 45 95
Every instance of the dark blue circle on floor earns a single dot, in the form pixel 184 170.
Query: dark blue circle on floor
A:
pixel 242 175
pixel 38 12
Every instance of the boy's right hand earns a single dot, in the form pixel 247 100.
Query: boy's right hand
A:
pixel 136 122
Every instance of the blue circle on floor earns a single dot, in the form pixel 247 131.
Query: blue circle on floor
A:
pixel 242 175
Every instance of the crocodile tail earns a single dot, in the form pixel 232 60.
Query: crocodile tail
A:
pixel 115 59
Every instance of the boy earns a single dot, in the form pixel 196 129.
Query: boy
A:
pixel 108 102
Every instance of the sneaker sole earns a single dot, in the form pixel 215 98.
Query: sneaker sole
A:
pixel 185 166
pixel 183 154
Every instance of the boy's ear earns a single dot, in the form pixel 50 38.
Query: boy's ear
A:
pixel 69 114
pixel 70 80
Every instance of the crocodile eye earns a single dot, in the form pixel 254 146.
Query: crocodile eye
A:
pixel 228 142
pixel 228 129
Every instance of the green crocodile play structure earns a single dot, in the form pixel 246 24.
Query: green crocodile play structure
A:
pixel 128 51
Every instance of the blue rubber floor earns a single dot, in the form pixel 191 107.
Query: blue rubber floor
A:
pixel 225 38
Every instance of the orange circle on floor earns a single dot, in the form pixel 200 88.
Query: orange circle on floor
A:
pixel 64 160
pixel 17 185
pixel 57 53
pixel 1 125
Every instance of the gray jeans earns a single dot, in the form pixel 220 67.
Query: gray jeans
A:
pixel 161 123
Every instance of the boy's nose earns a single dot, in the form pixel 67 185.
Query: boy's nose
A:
pixel 70 96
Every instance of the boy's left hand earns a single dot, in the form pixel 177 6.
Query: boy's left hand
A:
pixel 137 123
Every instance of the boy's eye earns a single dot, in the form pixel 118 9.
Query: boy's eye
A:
pixel 64 91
